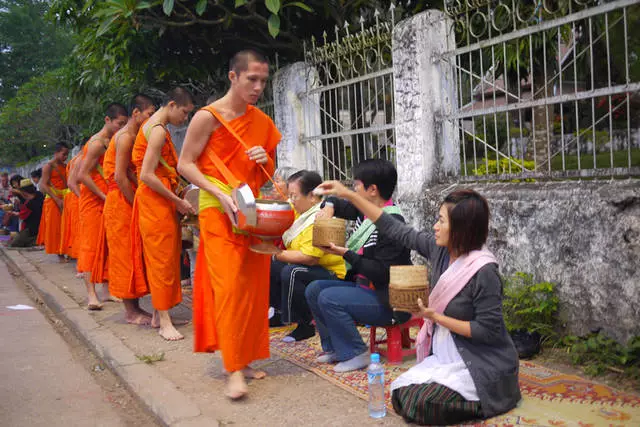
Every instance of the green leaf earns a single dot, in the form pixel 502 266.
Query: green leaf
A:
pixel 167 7
pixel 240 3
pixel 299 5
pixel 143 5
pixel 273 6
pixel 201 7
pixel 104 27
pixel 274 25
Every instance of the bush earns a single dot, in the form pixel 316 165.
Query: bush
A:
pixel 529 306
pixel 492 167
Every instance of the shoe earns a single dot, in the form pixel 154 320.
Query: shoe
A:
pixel 274 320
pixel 329 357
pixel 359 362
pixel 302 332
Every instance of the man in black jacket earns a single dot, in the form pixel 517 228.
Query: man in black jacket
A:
pixel 363 297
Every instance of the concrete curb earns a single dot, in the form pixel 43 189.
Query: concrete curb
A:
pixel 171 406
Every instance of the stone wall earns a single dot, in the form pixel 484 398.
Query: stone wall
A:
pixel 583 236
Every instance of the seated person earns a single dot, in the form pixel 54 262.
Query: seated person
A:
pixel 30 214
pixel 11 221
pixel 280 178
pixel 364 297
pixel 301 263
pixel 467 364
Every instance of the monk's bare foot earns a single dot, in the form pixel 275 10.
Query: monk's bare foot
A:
pixel 79 275
pixel 175 322
pixel 62 259
pixel 111 298
pixel 155 319
pixel 94 307
pixel 170 333
pixel 138 319
pixel 255 374
pixel 236 386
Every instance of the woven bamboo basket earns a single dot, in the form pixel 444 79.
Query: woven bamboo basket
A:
pixel 326 231
pixel 407 283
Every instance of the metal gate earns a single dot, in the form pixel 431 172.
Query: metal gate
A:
pixel 546 88
pixel 352 91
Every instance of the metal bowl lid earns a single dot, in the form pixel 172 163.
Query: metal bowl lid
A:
pixel 246 202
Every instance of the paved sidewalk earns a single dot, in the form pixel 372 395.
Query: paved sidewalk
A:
pixel 186 388
pixel 42 384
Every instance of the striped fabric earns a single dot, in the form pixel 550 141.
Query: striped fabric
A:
pixel 433 404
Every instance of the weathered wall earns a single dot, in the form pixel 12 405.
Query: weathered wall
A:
pixel 584 236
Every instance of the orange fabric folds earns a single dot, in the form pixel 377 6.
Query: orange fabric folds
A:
pixel 117 224
pixel 230 279
pixel 69 225
pixel 90 209
pixel 50 232
pixel 155 233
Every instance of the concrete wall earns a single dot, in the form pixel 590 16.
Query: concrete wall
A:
pixel 583 236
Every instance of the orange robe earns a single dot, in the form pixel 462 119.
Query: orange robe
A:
pixel 90 208
pixel 231 287
pixel 50 232
pixel 70 220
pixel 117 224
pixel 155 232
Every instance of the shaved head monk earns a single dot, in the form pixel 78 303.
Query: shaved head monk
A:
pixel 231 290
pixel 122 183
pixel 155 231
pixel 93 194
pixel 54 185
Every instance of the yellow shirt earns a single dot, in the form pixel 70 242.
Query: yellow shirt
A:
pixel 304 243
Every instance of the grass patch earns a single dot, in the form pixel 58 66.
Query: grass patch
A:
pixel 603 160
pixel 151 358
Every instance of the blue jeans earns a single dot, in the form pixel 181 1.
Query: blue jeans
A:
pixel 337 306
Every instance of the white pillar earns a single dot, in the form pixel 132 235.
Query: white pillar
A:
pixel 297 115
pixel 427 146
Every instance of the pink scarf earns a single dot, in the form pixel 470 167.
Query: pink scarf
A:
pixel 452 281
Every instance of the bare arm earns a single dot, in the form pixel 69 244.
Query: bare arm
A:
pixel 46 188
pixel 72 179
pixel 124 145
pixel 198 133
pixel 94 151
pixel 149 166
pixel 367 208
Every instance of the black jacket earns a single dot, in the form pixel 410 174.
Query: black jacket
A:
pixel 379 252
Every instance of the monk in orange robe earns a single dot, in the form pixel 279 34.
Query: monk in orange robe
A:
pixel 54 185
pixel 155 231
pixel 231 287
pixel 93 195
pixel 70 217
pixel 122 183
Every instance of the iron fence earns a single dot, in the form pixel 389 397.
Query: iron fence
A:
pixel 351 88
pixel 546 89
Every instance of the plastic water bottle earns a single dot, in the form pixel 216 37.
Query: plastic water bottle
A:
pixel 375 375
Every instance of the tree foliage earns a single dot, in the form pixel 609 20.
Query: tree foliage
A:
pixel 30 44
pixel 37 118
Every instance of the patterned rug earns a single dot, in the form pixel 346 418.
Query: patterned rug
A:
pixel 550 398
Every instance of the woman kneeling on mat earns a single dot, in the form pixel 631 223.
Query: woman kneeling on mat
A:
pixel 467 364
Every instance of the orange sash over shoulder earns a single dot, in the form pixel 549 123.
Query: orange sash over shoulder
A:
pixel 90 208
pixel 50 232
pixel 155 232
pixel 230 279
pixel 117 223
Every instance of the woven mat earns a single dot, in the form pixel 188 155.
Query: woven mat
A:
pixel 550 398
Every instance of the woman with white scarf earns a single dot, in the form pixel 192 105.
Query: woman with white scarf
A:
pixel 300 263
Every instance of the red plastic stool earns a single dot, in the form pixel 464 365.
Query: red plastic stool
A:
pixel 398 341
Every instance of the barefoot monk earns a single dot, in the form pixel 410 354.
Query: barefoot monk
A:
pixel 231 291
pixel 155 231
pixel 122 182
pixel 54 186
pixel 93 195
